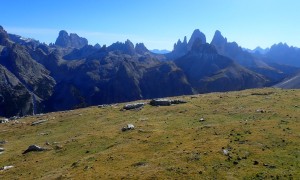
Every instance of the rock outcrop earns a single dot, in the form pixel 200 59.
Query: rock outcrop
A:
pixel 33 148
pixel 181 48
pixel 70 41
pixel 197 34
pixel 208 71
pixel 15 99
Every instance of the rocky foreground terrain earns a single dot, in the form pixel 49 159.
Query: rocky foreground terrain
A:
pixel 250 134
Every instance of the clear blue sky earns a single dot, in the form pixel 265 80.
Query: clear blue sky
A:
pixel 157 23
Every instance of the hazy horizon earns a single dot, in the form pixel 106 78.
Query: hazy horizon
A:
pixel 158 24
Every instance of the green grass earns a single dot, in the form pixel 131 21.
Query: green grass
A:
pixel 167 143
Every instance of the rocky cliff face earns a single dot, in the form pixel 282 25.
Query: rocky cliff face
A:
pixel 181 48
pixel 197 34
pixel 27 81
pixel 232 50
pixel 15 99
pixel 208 71
pixel 70 41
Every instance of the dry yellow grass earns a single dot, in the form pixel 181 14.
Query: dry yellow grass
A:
pixel 167 143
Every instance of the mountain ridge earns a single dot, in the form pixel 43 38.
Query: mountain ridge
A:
pixel 72 74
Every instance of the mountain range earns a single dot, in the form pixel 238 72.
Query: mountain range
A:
pixel 36 77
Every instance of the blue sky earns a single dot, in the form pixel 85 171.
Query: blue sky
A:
pixel 157 23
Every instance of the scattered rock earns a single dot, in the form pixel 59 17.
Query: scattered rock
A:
pixel 103 105
pixel 260 110
pixel 160 102
pixel 33 148
pixel 128 127
pixel 262 93
pixel 38 122
pixel 2 121
pixel 269 166
pixel 58 147
pixel 255 163
pixel 166 102
pixel 87 167
pixel 139 164
pixel 75 164
pixel 14 118
pixel 107 105
pixel 178 101
pixel 1 149
pixel 201 119
pixel 44 133
pixel 226 152
pixel 3 142
pixel 133 106
pixel 6 168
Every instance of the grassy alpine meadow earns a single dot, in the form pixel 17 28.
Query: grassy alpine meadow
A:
pixel 250 134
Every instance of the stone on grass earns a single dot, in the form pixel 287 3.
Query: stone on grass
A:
pixel 2 121
pixel 1 149
pixel 128 127
pixel 178 101
pixel 33 148
pixel 160 102
pixel 38 122
pixel 133 106
pixel 260 110
pixel 201 119
pixel 226 152
pixel 103 105
pixel 166 102
pixel 6 168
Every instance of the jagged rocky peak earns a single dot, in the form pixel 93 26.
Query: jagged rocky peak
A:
pixel 181 46
pixel 73 40
pixel 218 39
pixel 140 48
pixel 127 47
pixel 184 40
pixel 129 44
pixel 97 46
pixel 196 34
pixel 199 47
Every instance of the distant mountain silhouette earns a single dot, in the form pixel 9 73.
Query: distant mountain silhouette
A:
pixel 73 40
pixel 258 50
pixel 283 54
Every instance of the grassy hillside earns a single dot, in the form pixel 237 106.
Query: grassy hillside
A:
pixel 260 128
